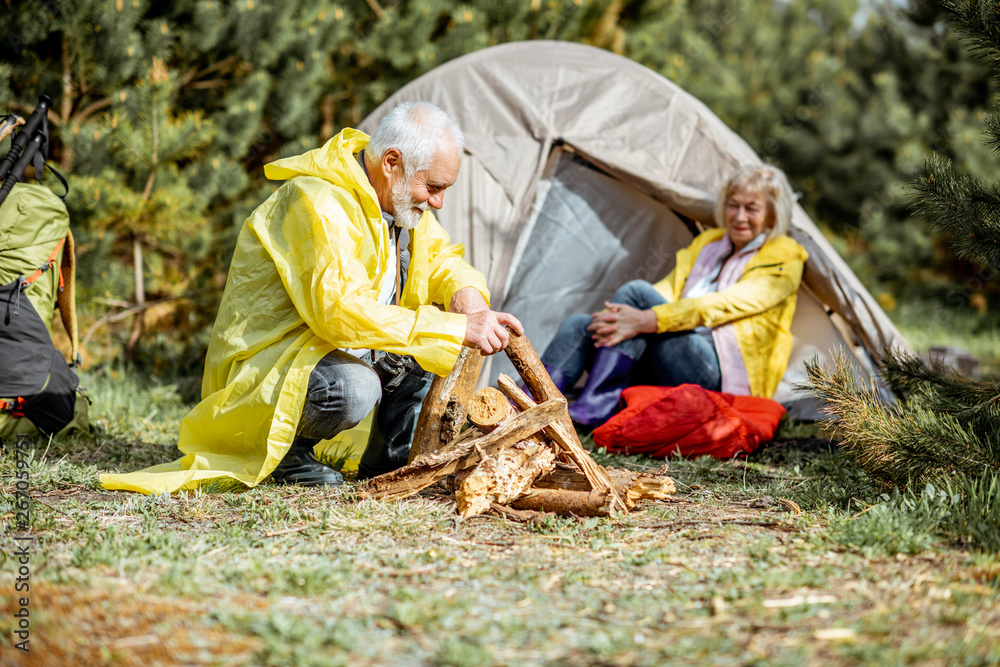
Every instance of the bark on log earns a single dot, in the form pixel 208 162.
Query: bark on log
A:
pixel 443 413
pixel 577 503
pixel 568 443
pixel 504 477
pixel 452 481
pixel 488 408
pixel 525 360
pixel 427 470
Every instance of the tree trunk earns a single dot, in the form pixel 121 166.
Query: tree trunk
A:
pixel 140 300
pixel 66 106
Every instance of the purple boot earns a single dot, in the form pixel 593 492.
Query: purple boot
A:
pixel 558 378
pixel 608 377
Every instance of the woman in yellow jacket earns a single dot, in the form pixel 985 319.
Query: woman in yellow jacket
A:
pixel 721 319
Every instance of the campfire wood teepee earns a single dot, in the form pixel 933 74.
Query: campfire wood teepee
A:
pixel 528 457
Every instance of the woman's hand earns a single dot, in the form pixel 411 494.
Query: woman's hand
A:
pixel 619 322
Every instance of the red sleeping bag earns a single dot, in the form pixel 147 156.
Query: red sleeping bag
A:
pixel 662 421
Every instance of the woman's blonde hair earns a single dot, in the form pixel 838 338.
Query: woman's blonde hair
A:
pixel 765 180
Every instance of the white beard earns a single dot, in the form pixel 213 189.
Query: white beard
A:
pixel 403 205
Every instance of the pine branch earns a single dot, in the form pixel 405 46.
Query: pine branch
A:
pixel 977 22
pixel 376 8
pixel 962 206
pixel 975 403
pixel 225 66
pixel 992 132
pixel 905 373
pixel 958 395
pixel 91 109
pixel 131 310
pixel 901 444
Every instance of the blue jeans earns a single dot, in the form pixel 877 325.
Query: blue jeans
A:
pixel 667 359
pixel 342 391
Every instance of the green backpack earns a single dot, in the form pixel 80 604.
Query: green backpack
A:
pixel 39 390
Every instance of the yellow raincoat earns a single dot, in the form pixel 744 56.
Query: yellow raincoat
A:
pixel 304 281
pixel 760 306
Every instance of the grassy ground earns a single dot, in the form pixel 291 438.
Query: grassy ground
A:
pixel 725 573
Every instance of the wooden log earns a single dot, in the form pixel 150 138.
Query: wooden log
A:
pixel 631 486
pixel 564 477
pixel 444 409
pixel 525 360
pixel 650 487
pixel 517 515
pixel 427 470
pixel 576 503
pixel 568 443
pixel 488 408
pixel 531 369
pixel 504 477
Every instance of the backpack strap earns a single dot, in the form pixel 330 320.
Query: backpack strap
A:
pixel 65 250
pixel 23 283
pixel 66 297
pixel 26 283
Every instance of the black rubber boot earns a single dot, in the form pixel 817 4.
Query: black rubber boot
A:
pixel 301 467
pixel 394 423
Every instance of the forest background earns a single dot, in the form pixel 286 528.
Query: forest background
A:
pixel 164 114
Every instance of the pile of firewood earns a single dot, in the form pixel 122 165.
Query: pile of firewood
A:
pixel 511 459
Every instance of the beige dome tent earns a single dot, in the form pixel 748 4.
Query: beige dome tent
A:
pixel 584 170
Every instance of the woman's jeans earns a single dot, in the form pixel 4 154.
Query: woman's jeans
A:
pixel 667 359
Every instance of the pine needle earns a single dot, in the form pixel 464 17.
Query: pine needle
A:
pixel 913 441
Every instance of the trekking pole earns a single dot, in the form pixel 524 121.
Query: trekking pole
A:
pixel 37 119
pixel 10 123
pixel 32 152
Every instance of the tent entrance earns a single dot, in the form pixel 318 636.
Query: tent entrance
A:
pixel 587 234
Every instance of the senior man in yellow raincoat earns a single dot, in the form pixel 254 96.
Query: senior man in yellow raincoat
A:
pixel 333 304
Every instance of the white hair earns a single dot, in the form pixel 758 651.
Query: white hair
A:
pixel 767 181
pixel 416 130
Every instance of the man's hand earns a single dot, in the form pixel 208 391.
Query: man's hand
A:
pixel 484 329
pixel 619 322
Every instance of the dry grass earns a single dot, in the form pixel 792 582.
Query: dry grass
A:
pixel 275 576
pixel 117 624
pixel 728 572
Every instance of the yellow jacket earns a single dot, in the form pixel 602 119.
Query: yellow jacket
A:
pixel 760 305
pixel 304 280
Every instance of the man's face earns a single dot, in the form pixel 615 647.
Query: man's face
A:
pixel 426 189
